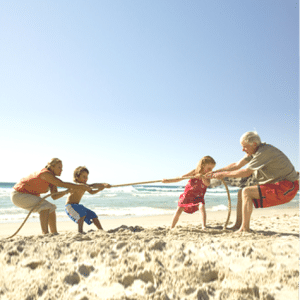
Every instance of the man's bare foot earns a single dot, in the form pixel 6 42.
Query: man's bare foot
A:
pixel 241 230
pixel 234 228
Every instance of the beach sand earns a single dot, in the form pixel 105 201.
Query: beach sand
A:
pixel 141 258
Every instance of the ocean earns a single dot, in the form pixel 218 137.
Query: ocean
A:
pixel 126 202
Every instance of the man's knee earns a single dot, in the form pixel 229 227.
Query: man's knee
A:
pixel 250 192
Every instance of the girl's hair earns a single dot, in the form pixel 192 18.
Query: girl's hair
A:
pixel 78 172
pixel 250 137
pixel 202 162
pixel 52 163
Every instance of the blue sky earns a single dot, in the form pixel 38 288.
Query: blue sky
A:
pixel 141 90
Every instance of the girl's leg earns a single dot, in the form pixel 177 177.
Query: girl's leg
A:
pixel 52 222
pixel 44 217
pixel 176 216
pixel 203 215
pixel 97 223
pixel 80 224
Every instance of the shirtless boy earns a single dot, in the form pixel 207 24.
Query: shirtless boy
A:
pixel 77 212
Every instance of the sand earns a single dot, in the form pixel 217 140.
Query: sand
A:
pixel 141 258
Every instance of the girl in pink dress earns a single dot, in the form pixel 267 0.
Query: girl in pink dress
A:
pixel 193 195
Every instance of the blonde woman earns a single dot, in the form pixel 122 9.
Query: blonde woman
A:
pixel 26 193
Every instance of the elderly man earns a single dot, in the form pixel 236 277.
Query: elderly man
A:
pixel 278 182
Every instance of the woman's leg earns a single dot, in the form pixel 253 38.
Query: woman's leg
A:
pixel 97 223
pixel 176 216
pixel 52 222
pixel 203 215
pixel 44 218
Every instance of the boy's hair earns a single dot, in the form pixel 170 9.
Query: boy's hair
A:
pixel 250 137
pixel 78 172
pixel 204 161
pixel 52 163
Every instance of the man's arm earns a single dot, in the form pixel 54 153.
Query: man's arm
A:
pixel 233 166
pixel 233 174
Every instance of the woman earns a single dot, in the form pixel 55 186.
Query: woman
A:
pixel 27 192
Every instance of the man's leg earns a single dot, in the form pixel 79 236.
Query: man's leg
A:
pixel 248 194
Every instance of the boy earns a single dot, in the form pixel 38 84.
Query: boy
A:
pixel 77 212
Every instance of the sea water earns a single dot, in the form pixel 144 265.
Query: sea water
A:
pixel 125 202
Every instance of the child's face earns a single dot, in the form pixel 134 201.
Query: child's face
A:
pixel 208 168
pixel 83 177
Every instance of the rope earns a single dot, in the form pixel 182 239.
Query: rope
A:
pixel 127 184
pixel 229 205
pixel 145 182
pixel 31 212
pixel 188 177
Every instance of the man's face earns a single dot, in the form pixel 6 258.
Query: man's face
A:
pixel 249 149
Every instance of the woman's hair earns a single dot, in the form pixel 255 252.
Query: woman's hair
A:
pixel 202 162
pixel 78 172
pixel 52 163
pixel 250 137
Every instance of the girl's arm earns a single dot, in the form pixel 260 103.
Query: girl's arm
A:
pixel 171 180
pixel 192 173
pixel 57 182
pixel 206 181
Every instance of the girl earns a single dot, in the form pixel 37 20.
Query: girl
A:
pixel 194 191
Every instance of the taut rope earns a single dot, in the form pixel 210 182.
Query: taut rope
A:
pixel 188 177
pixel 127 184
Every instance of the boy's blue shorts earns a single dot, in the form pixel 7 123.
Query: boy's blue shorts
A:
pixel 77 211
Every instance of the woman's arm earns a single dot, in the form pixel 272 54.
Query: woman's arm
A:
pixel 57 182
pixel 58 195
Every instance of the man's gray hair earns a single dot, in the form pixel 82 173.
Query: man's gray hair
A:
pixel 250 137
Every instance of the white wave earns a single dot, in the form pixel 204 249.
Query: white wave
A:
pixel 131 211
pixel 220 207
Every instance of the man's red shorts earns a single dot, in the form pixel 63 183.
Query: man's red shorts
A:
pixel 273 194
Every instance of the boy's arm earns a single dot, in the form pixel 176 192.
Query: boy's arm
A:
pixel 99 187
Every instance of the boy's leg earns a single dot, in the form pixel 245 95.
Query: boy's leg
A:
pixel 203 215
pixel 52 222
pixel 44 217
pixel 97 223
pixel 176 216
pixel 80 224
